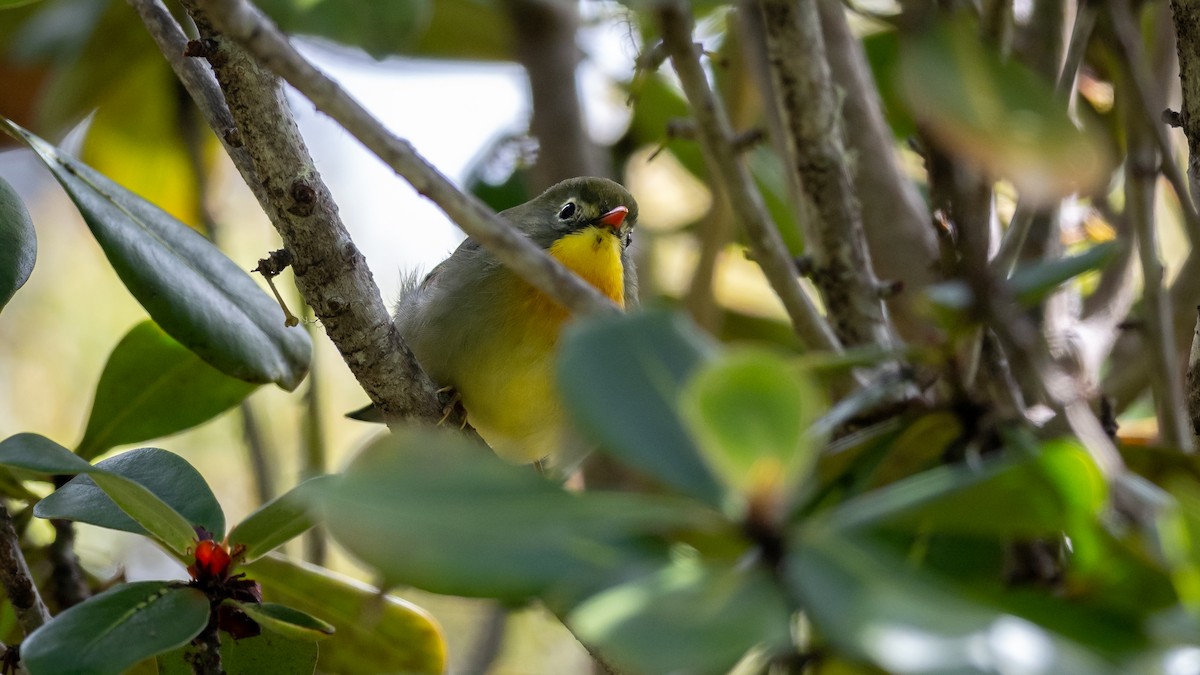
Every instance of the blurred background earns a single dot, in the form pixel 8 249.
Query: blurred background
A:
pixel 505 97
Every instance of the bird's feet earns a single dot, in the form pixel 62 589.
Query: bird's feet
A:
pixel 452 406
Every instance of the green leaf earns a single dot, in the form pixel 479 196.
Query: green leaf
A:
pixel 401 637
pixel 9 4
pixel 152 386
pixel 278 521
pixel 445 29
pixel 751 412
pixel 685 618
pixel 874 606
pixel 998 114
pixel 198 295
pixel 1032 283
pixel 286 621
pixel 154 515
pixel 265 654
pixel 39 454
pixel 175 485
pixel 112 631
pixel 435 512
pixel 1030 497
pixel 621 378
pixel 18 243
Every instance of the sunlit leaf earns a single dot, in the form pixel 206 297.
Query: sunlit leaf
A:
pixel 18 243
pixel 750 412
pixel 192 290
pixel 621 378
pixel 278 521
pixel 375 633
pixel 152 386
pixel 435 512
pixel 117 628
pixel 998 114
pixel 685 618
pixel 177 488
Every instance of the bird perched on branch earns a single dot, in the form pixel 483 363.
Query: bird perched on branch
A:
pixel 478 328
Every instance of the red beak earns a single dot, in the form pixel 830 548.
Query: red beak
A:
pixel 615 217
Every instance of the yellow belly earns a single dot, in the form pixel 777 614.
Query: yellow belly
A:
pixel 508 386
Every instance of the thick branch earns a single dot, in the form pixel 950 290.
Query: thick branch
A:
pixel 733 179
pixel 896 221
pixel 1187 41
pixel 805 99
pixel 18 582
pixel 246 25
pixel 330 272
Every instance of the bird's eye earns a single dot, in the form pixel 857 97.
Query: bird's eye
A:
pixel 567 211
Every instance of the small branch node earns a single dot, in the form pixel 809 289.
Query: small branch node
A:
pixel 1172 118
pixel 270 267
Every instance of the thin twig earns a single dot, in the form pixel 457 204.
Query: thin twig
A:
pixel 249 28
pixel 733 179
pixel 803 94
pixel 18 582
pixel 314 455
pixel 1140 179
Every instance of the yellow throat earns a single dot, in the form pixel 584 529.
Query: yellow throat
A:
pixel 594 253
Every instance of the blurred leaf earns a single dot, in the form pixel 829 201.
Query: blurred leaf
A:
pixel 287 516
pixel 436 512
pixel 286 621
pixel 375 632
pixel 163 475
pixel 882 49
pixel 8 4
pixel 445 29
pixel 656 104
pixel 1032 283
pixel 621 379
pixel 18 243
pixel 874 606
pixel 110 632
pixel 1031 497
pixel 685 618
pixel 750 412
pixel 922 443
pixel 152 386
pixel 265 654
pixel 998 114
pixel 39 454
pixel 1179 529
pixel 198 295
pixel 91 45
pixel 138 139
pixel 770 176
pixel 379 28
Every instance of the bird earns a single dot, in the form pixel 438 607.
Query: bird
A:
pixel 479 329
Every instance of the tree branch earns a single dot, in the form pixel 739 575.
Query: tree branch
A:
pixel 18 582
pixel 803 94
pixel 894 216
pixel 245 24
pixel 733 179
pixel 1140 177
pixel 545 32
pixel 330 272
